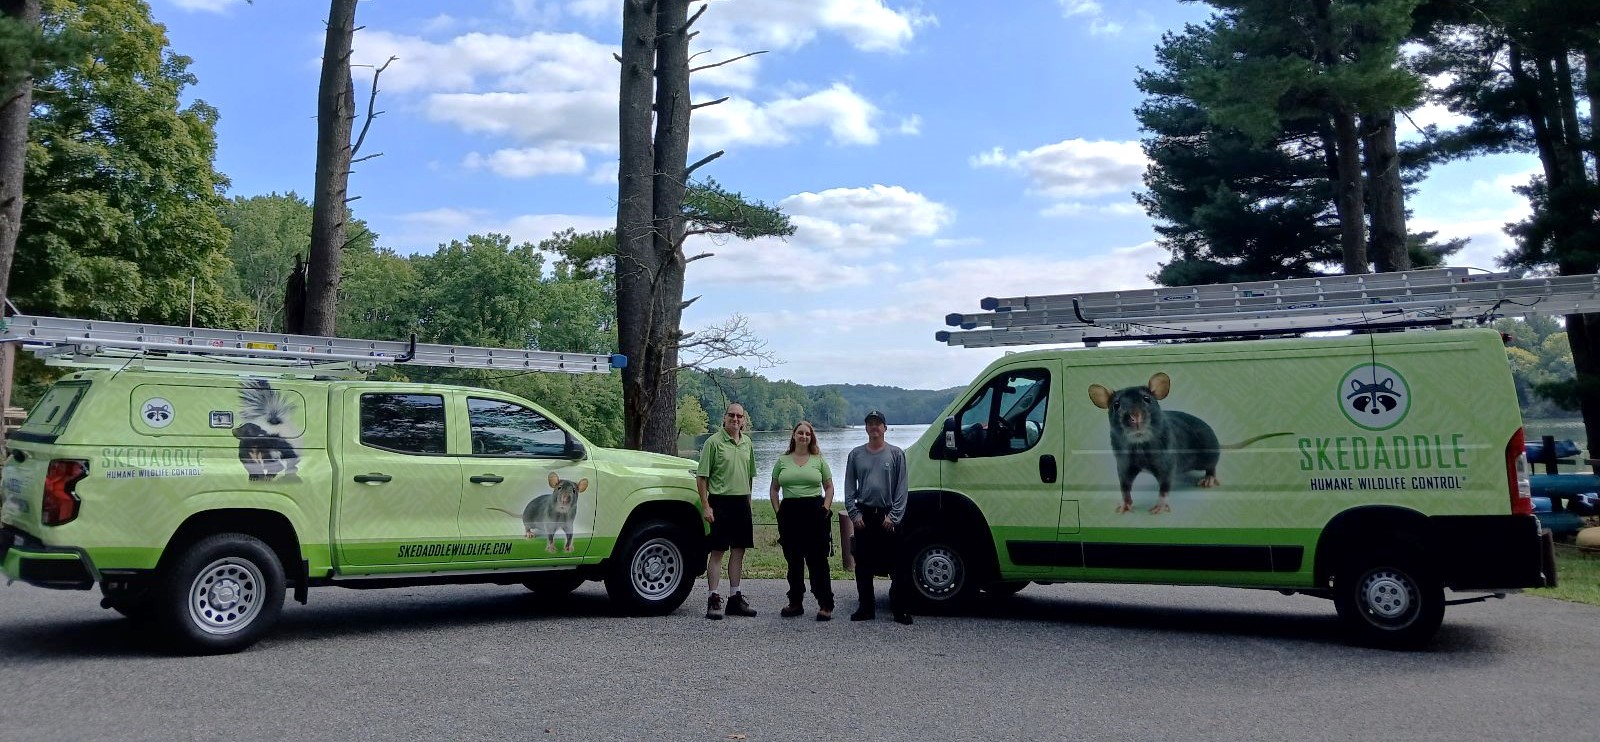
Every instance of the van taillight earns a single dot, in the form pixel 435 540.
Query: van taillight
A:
pixel 1517 476
pixel 60 499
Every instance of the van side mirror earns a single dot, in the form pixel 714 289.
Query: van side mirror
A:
pixel 952 438
pixel 574 450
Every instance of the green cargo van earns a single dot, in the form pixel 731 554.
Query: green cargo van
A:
pixel 1376 470
pixel 196 500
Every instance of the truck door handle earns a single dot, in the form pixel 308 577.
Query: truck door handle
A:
pixel 373 478
pixel 1047 469
pixel 486 479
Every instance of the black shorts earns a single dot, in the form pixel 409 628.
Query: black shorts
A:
pixel 731 527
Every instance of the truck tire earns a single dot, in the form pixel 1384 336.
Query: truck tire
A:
pixel 651 574
pixel 554 584
pixel 939 571
pixel 135 606
pixel 221 594
pixel 1388 600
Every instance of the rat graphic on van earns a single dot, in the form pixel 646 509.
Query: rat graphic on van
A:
pixel 1166 443
pixel 553 512
pixel 264 447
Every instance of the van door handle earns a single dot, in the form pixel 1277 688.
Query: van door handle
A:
pixel 486 479
pixel 1047 469
pixel 373 478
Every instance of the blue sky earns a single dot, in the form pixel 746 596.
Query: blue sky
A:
pixel 930 153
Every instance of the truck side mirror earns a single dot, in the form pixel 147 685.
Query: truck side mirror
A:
pixel 952 438
pixel 574 450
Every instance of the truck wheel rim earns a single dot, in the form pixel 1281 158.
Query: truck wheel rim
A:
pixel 938 571
pixel 226 596
pixel 657 569
pixel 1388 597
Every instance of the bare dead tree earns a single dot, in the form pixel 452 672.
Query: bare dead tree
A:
pixel 18 91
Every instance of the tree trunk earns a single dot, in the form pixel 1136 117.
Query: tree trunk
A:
pixel 1385 192
pixel 637 263
pixel 14 112
pixel 336 111
pixel 1347 179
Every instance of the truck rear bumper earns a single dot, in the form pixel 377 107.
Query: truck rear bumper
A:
pixel 1493 552
pixel 25 558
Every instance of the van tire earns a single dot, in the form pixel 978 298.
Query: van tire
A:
pixel 133 607
pixel 652 570
pixel 1388 600
pixel 939 570
pixel 221 594
pixel 554 584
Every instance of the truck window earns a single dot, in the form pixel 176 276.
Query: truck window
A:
pixel 403 423
pixel 1007 415
pixel 49 417
pixel 508 429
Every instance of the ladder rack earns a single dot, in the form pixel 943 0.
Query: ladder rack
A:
pixel 91 343
pixel 1434 297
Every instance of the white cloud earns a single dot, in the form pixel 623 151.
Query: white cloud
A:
pixel 424 231
pixel 848 118
pixel 1074 168
pixel 864 219
pixel 911 125
pixel 869 25
pixel 534 63
pixel 766 263
pixel 530 162
pixel 206 6
pixel 1092 12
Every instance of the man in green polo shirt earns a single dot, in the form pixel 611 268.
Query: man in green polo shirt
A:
pixel 727 470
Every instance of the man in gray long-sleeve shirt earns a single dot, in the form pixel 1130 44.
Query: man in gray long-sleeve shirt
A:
pixel 875 495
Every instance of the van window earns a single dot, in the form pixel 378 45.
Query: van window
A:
pixel 49 418
pixel 403 423
pixel 507 429
pixel 1007 415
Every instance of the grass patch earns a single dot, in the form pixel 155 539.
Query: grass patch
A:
pixel 1578 575
pixel 765 561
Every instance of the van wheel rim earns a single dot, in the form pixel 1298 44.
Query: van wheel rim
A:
pixel 226 596
pixel 657 569
pixel 1388 597
pixel 938 571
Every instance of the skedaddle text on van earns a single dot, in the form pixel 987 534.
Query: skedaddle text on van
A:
pixel 149 458
pixel 1382 453
pixel 483 548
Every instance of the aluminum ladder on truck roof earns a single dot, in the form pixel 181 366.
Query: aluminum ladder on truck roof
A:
pixel 1421 298
pixel 95 344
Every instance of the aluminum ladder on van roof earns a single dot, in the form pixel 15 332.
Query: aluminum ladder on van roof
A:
pixel 1421 298
pixel 96 344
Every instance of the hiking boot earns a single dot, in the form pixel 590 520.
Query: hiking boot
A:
pixel 714 607
pixel 738 607
pixel 903 619
pixel 824 614
pixel 791 610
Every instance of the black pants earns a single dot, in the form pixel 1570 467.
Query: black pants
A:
pixel 877 552
pixel 803 526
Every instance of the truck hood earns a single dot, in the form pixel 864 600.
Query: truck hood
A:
pixel 644 460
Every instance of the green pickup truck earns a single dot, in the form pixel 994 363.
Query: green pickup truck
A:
pixel 198 500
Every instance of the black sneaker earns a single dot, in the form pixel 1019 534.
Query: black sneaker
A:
pixel 903 619
pixel 714 607
pixel 862 616
pixel 738 607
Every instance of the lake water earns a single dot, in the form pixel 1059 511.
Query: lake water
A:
pixel 835 445
pixel 1562 428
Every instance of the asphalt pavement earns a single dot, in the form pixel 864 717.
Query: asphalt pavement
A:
pixel 1055 662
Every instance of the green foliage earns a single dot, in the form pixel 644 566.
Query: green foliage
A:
pixel 122 195
pixel 1541 366
pixel 267 232
pixel 778 405
pixel 692 418
pixel 711 209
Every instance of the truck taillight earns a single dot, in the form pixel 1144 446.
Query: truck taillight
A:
pixel 1517 476
pixel 60 498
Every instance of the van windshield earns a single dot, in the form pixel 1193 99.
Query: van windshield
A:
pixel 49 418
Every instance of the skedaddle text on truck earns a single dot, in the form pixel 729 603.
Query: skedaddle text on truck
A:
pixel 1378 453
pixel 149 458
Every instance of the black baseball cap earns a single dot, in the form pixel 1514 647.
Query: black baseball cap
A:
pixel 878 415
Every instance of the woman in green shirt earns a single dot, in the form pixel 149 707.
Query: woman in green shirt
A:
pixel 805 515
